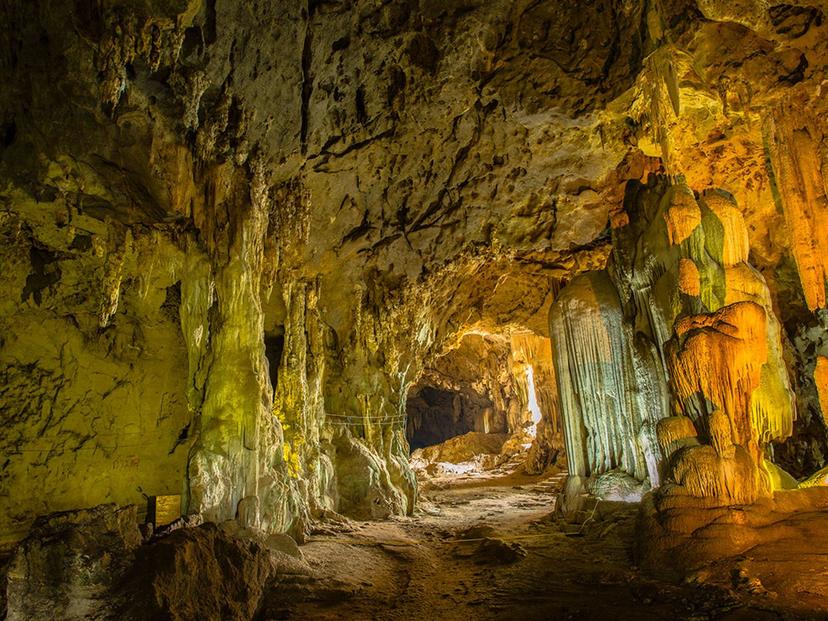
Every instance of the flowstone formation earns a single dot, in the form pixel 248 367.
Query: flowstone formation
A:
pixel 609 407
pixel 677 340
pixel 689 274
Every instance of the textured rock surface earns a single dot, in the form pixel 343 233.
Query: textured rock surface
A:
pixel 236 233
pixel 197 573
pixel 70 564
pixel 742 548
pixel 93 564
pixel 89 398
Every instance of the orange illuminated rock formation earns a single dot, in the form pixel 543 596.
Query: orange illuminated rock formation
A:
pixel 718 363
pixel 821 380
pixel 680 312
pixel 799 159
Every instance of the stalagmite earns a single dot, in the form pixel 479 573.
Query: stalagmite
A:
pixel 675 432
pixel 604 401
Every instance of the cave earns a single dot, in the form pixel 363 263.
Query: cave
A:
pixel 434 415
pixel 465 390
pixel 477 408
pixel 411 309
pixel 274 344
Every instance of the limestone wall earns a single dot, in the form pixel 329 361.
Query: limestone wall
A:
pixel 94 389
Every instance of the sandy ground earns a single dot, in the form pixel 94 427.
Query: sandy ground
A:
pixel 489 547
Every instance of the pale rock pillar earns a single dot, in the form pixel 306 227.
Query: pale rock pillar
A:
pixel 606 390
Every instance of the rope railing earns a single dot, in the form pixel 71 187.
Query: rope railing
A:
pixel 380 417
pixel 348 420
pixel 357 421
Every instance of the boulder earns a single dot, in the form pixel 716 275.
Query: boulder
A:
pixel 69 564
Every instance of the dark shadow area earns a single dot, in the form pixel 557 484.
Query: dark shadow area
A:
pixel 274 344
pixel 435 415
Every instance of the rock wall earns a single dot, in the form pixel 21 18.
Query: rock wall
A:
pixel 93 363
pixel 532 357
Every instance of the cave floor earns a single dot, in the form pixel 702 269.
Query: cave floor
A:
pixel 490 548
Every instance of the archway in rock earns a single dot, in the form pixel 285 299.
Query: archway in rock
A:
pixel 487 403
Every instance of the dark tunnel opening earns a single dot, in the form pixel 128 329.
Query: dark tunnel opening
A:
pixel 274 345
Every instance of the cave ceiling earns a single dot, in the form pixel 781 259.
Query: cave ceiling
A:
pixel 395 139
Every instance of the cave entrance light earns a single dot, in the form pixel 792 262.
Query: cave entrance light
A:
pixel 532 401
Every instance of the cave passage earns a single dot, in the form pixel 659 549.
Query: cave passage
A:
pixel 413 309
pixel 435 415
pixel 477 409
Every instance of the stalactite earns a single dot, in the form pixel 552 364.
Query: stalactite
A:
pixel 662 99
pixel 702 471
pixel 113 276
pixel 793 143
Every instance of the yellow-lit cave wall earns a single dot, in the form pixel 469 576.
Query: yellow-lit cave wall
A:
pixel 93 365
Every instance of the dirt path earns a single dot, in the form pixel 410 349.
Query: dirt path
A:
pixel 491 549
